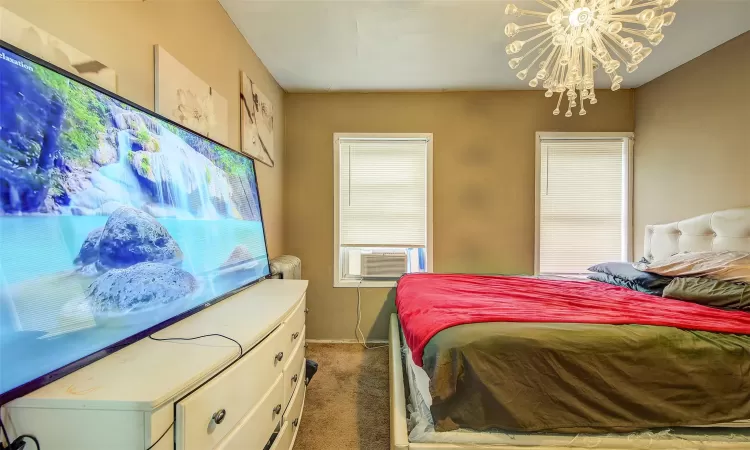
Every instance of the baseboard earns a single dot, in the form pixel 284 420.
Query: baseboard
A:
pixel 345 341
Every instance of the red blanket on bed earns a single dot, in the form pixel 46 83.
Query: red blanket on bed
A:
pixel 430 303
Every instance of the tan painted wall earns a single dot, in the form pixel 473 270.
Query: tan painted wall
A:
pixel 199 33
pixel 692 150
pixel 483 183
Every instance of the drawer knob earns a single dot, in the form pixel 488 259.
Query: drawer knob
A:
pixel 277 409
pixel 295 335
pixel 295 378
pixel 296 422
pixel 279 356
pixel 307 310
pixel 219 416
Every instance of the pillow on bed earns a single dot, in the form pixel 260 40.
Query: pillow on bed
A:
pixel 616 281
pixel 705 291
pixel 725 266
pixel 625 275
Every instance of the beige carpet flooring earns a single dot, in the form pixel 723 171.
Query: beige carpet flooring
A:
pixel 347 403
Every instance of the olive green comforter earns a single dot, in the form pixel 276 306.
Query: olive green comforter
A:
pixel 585 378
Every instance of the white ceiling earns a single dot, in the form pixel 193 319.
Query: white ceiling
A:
pixel 356 45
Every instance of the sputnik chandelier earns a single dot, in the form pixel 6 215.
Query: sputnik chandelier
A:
pixel 578 37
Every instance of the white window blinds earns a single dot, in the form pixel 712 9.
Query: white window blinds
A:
pixel 583 204
pixel 383 193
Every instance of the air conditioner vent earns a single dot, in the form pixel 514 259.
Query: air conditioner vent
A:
pixel 383 265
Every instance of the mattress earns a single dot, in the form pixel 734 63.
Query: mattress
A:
pixel 422 429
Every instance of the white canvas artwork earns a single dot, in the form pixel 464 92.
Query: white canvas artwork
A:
pixel 257 122
pixel 19 32
pixel 183 97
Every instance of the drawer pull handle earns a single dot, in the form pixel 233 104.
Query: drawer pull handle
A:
pixel 296 422
pixel 295 378
pixel 219 416
pixel 307 310
pixel 277 409
pixel 295 335
pixel 279 356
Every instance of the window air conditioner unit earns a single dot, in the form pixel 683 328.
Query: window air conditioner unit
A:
pixel 383 264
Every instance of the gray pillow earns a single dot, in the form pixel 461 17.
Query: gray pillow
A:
pixel 624 274
pixel 705 291
pixel 622 282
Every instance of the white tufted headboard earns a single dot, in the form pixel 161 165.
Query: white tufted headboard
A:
pixel 723 230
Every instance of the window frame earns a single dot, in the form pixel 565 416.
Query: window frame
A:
pixel 628 139
pixel 338 282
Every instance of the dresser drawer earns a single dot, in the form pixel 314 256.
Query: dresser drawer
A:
pixel 294 370
pixel 293 413
pixel 230 395
pixel 293 327
pixel 256 428
pixel 284 439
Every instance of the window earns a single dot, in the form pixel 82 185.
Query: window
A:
pixel 382 207
pixel 583 209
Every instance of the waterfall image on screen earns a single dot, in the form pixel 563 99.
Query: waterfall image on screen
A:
pixel 112 221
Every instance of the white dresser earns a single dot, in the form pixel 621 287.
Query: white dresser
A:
pixel 194 395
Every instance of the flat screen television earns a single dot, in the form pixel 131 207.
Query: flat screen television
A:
pixel 114 223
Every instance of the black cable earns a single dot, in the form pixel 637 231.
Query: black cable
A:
pixel 199 337
pixel 161 437
pixel 17 441
pixel 27 436
pixel 189 339
pixel 5 432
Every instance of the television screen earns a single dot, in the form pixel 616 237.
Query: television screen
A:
pixel 113 223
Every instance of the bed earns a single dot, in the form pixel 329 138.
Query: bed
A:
pixel 514 363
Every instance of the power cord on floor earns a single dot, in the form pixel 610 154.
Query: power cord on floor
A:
pixel 18 443
pixel 358 329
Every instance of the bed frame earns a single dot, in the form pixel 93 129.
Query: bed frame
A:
pixel 723 230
